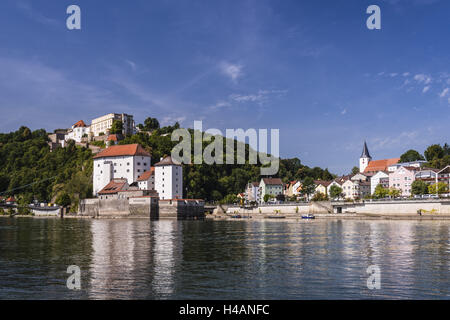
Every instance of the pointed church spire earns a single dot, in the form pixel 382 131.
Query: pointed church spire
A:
pixel 365 153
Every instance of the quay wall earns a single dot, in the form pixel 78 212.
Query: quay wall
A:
pixel 271 209
pixel 412 207
pixel 142 206
pixel 381 208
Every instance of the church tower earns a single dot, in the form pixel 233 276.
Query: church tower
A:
pixel 364 159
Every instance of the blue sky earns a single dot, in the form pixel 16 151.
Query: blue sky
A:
pixel 309 68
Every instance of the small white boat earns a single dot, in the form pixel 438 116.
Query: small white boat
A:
pixel 308 216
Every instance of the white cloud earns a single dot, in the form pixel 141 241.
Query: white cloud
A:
pixel 404 138
pixel 405 74
pixel 425 89
pixel 247 98
pixel 131 64
pixel 260 97
pixel 444 93
pixel 394 74
pixel 344 111
pixel 34 14
pixel 234 71
pixel 220 104
pixel 170 120
pixel 423 78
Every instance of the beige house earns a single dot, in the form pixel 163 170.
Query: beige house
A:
pixel 356 189
pixel 104 124
pixel 322 186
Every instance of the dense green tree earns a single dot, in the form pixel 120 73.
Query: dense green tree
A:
pixel 150 124
pixel 446 149
pixel 308 187
pixel 355 170
pixel 394 193
pixel 433 152
pixel 380 192
pixel 319 196
pixel 335 191
pixel 63 199
pixel 30 171
pixel 419 187
pixel 440 188
pixel 267 197
pixel 117 127
pixel 411 155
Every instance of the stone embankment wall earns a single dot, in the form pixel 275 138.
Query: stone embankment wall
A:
pixel 404 207
pixel 181 209
pixel 146 206
pixel 409 207
pixel 271 209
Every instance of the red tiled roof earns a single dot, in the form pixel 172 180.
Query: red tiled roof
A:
pixel 147 174
pixel 380 165
pixel 273 181
pixel 79 124
pixel 167 161
pixel 112 137
pixel 123 150
pixel 11 199
pixel 113 186
pixel 322 182
pixel 342 179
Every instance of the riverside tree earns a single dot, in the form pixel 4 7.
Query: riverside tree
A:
pixel 394 193
pixel 335 191
pixel 419 187
pixel 308 187
pixel 440 188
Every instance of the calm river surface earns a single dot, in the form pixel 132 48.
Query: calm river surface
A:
pixel 139 259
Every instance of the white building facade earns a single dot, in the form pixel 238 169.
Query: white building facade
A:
pixel 120 162
pixel 78 131
pixel 252 193
pixel 147 180
pixel 379 178
pixel 104 124
pixel 169 179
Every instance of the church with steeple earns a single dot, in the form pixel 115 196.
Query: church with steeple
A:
pixel 364 159
pixel 369 166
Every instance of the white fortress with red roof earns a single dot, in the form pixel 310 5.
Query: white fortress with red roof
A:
pixel 169 179
pixel 77 131
pixel 120 162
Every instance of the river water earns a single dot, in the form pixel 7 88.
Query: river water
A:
pixel 141 259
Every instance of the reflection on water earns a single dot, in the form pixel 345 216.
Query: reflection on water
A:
pixel 141 259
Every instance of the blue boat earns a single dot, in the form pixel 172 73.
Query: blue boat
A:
pixel 308 216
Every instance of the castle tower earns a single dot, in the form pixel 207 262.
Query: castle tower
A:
pixel 169 179
pixel 365 158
